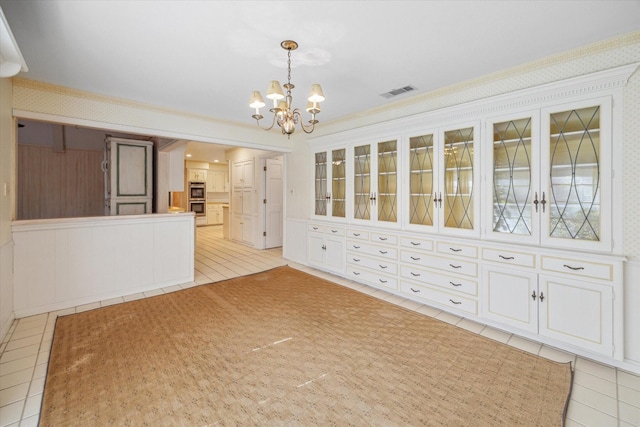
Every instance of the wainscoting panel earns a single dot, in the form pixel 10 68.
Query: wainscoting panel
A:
pixel 295 248
pixel 67 262
pixel 59 185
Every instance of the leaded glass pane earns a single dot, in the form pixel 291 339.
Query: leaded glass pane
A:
pixel 421 180
pixel 575 174
pixel 387 181
pixel 321 184
pixel 338 182
pixel 512 177
pixel 458 178
pixel 361 182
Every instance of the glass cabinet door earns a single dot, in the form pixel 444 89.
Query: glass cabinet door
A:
pixel 338 183
pixel 421 180
pixel 321 184
pixel 458 200
pixel 575 175
pixel 387 194
pixel 513 179
pixel 362 195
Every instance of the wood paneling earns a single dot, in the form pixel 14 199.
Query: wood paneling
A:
pixel 59 185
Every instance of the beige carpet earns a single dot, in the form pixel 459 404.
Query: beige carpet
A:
pixel 286 348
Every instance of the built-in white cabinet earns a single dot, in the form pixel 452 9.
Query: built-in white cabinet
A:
pixel 330 180
pixel 443 180
pixel 326 247
pixel 503 210
pixel 550 180
pixel 374 185
pixel 566 299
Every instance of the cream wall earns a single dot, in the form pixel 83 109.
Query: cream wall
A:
pixel 7 177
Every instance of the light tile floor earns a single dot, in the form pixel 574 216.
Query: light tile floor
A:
pixel 602 395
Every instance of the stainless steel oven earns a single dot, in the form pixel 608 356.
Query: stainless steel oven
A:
pixel 197 190
pixel 198 207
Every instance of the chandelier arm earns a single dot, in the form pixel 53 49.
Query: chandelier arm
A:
pixel 273 123
pixel 306 129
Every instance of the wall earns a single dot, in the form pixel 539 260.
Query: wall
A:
pixel 7 168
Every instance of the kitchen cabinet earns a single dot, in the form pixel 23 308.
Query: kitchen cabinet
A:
pixel 197 175
pixel 214 213
pixel 217 181
pixel 372 258
pixel 242 202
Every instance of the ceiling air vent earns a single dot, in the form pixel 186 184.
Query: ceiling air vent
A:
pixel 396 92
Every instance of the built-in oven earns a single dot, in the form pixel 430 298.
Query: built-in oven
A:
pixel 197 190
pixel 198 207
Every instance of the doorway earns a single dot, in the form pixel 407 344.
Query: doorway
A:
pixel 273 209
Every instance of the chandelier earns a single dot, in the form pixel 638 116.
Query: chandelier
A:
pixel 284 115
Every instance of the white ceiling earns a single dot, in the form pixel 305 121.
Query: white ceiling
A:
pixel 207 57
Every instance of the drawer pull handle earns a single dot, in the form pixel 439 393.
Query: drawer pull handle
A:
pixel 383 252
pixel 455 302
pixel 415 258
pixel 382 238
pixel 415 290
pixel 455 266
pixel 382 281
pixel 356 260
pixel 356 273
pixel 356 234
pixel 573 268
pixel 416 243
pixel 315 228
pixel 383 266
pixel 506 257
pixel 414 274
pixel 456 284
pixel 356 247
pixel 334 231
pixel 455 250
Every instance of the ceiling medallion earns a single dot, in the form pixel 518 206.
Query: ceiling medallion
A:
pixel 284 115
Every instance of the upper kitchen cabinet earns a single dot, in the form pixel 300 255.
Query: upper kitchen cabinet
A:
pixel 330 180
pixel 551 176
pixel 443 179
pixel 375 183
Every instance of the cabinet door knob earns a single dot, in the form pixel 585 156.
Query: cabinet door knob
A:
pixel 541 296
pixel 535 201
pixel 533 295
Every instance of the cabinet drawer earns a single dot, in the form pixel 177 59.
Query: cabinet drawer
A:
pixel 439 280
pixel 389 239
pixel 456 249
pixel 457 266
pixel 334 231
pixel 469 305
pixel 317 228
pixel 357 234
pixel 361 275
pixel 576 267
pixel 410 242
pixel 371 263
pixel 368 248
pixel 509 257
